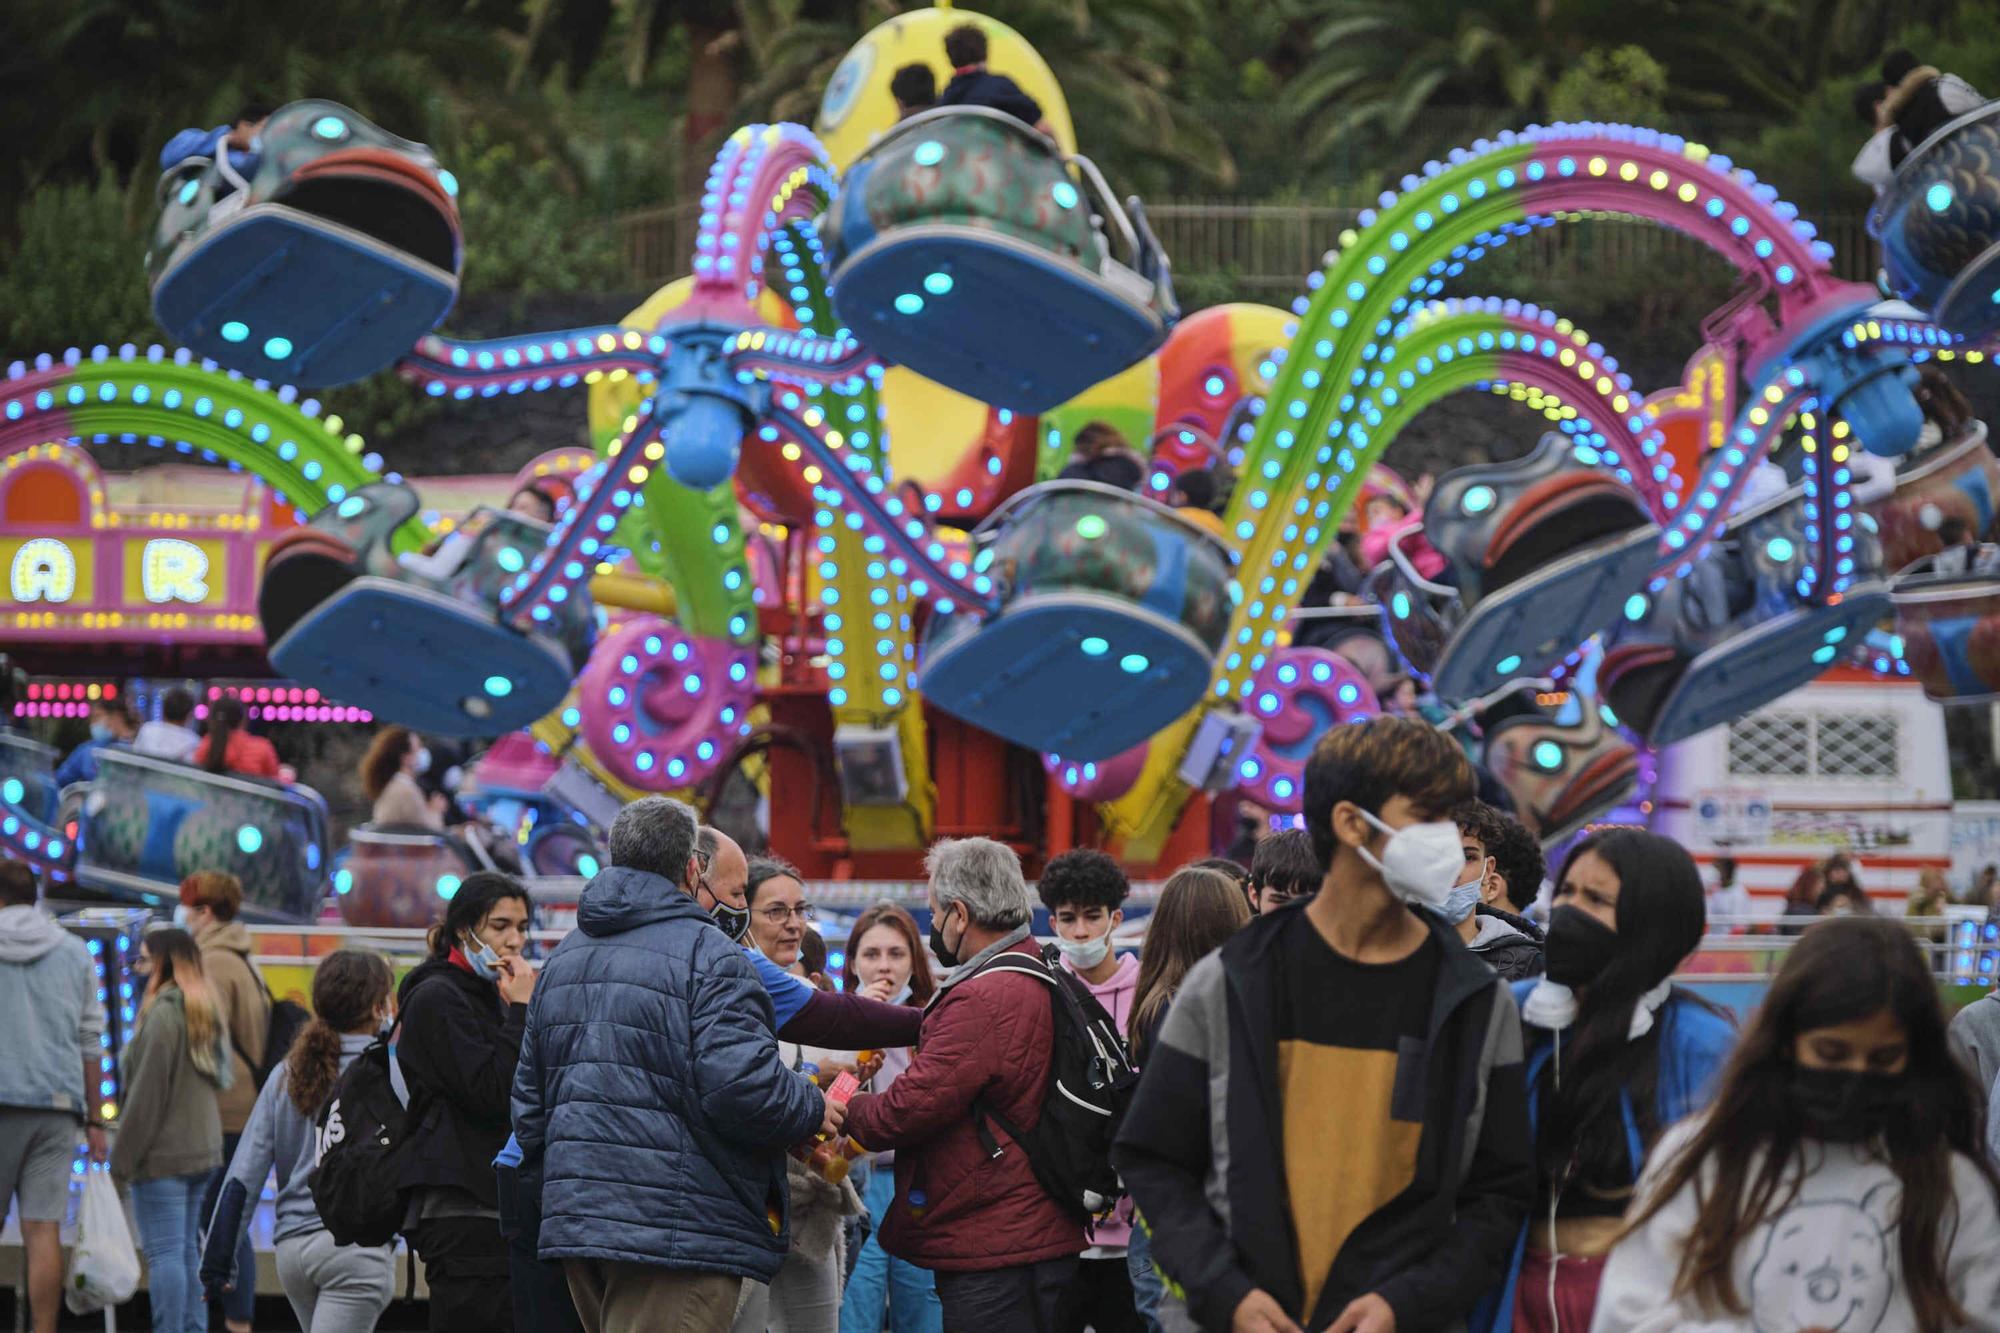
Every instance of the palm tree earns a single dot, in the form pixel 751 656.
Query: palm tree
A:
pixel 1406 70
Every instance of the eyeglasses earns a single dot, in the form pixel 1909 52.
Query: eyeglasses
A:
pixel 777 914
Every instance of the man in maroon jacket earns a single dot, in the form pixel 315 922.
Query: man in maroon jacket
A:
pixel 1002 1248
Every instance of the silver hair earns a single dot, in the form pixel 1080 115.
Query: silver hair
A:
pixel 655 834
pixel 984 875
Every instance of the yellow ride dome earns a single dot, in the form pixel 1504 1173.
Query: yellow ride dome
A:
pixel 857 106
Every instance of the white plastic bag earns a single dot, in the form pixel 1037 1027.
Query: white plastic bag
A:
pixel 104 1270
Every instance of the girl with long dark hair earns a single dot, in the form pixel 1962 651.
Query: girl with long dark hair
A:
pixel 169 1131
pixel 1615 1055
pixel 1199 907
pixel 332 1288
pixel 1837 1181
pixel 463 1011
pixel 229 748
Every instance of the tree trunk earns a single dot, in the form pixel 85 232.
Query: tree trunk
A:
pixel 713 86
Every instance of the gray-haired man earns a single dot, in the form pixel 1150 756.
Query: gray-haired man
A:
pixel 651 1096
pixel 1003 1249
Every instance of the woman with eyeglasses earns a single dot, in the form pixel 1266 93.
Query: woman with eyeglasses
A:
pixel 779 912
pixel 805 1295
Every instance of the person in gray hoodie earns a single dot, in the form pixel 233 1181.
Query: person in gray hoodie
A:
pixel 49 1053
pixel 332 1288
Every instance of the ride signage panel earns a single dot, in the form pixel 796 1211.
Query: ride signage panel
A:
pixel 76 567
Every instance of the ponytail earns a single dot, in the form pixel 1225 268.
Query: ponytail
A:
pixel 225 715
pixel 349 988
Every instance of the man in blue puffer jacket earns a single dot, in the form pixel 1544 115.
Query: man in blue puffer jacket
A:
pixel 651 1092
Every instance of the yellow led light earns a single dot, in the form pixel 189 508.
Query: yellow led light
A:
pixel 813 476
pixel 791 452
pixel 1629 171
pixel 1598 166
pixel 1658 180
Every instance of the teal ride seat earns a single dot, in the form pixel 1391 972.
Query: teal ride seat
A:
pixel 148 823
pixel 1949 622
pixel 1112 611
pixel 1733 635
pixel 1546 550
pixel 425 647
pixel 1939 225
pixel 324 266
pixel 962 245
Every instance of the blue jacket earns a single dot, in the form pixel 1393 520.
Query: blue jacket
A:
pixel 1694 1043
pixel 650 1094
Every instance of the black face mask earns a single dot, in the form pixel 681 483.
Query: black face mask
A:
pixel 945 953
pixel 1844 1105
pixel 1578 947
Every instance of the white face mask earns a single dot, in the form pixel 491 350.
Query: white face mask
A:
pixel 1421 862
pixel 1085 954
pixel 181 915
pixel 423 764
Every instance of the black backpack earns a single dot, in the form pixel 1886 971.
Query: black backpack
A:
pixel 359 1141
pixel 1091 1079
pixel 284 1020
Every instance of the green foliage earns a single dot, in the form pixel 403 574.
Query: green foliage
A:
pixel 76 276
pixel 523 235
pixel 1625 86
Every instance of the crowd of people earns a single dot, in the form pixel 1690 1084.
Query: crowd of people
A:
pixel 1368 1094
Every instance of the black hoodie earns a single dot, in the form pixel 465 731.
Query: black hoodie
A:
pixel 458 1047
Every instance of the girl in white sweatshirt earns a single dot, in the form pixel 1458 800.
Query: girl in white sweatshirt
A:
pixel 1837 1180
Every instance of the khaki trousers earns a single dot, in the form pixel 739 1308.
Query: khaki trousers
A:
pixel 618 1297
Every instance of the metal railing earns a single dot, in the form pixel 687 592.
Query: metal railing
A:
pixel 1263 251
pixel 1759 942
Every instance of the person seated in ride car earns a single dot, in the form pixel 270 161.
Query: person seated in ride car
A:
pixel 972 84
pixel 1388 518
pixel 228 748
pixel 112 722
pixel 240 136
pixel 1101 454
pixel 915 89
pixel 1918 100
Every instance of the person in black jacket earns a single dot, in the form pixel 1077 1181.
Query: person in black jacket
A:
pixel 1330 1131
pixel 1504 942
pixel 972 84
pixel 463 1010
pixel 651 1097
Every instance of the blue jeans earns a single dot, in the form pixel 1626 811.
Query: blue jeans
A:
pixel 879 1280
pixel 240 1303
pixel 1147 1289
pixel 168 1212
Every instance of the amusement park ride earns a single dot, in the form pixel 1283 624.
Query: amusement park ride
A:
pixel 822 532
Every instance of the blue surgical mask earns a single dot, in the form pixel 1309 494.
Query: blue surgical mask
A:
pixel 181 915
pixel 1086 954
pixel 101 733
pixel 902 996
pixel 481 958
pixel 1461 902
